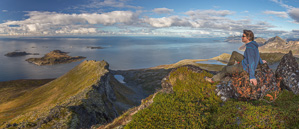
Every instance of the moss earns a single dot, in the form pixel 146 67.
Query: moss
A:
pixel 190 105
pixel 195 105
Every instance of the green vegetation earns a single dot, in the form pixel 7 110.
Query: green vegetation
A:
pixel 10 90
pixel 38 102
pixel 273 57
pixel 195 105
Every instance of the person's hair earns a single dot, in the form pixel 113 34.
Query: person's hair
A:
pixel 249 34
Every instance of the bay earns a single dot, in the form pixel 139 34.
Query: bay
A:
pixel 122 53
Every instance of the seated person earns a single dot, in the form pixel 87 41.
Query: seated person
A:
pixel 248 62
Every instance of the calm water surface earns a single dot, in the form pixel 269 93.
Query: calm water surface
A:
pixel 120 52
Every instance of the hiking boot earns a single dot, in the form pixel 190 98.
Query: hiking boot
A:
pixel 208 79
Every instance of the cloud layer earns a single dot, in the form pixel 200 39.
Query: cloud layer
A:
pixel 279 14
pixel 163 10
pixel 208 23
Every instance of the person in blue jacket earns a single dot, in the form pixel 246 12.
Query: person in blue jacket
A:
pixel 237 62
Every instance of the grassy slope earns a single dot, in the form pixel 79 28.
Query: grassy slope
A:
pixel 194 105
pixel 47 96
pixel 10 90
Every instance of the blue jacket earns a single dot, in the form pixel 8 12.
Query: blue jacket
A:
pixel 251 58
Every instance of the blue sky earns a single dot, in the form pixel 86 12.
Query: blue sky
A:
pixel 189 18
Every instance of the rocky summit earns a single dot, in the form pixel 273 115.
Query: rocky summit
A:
pixel 288 71
pixel 54 57
pixel 238 86
pixel 276 44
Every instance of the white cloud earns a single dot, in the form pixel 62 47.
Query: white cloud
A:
pixel 40 23
pixel 4 11
pixel 163 10
pixel 167 21
pixel 208 13
pixel 208 23
pixel 294 14
pixel 280 2
pixel 277 13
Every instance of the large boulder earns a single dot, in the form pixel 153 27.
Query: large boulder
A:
pixel 288 71
pixel 239 87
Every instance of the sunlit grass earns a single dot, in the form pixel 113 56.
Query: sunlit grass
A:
pixel 43 98
pixel 194 105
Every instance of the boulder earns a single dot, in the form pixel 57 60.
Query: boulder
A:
pixel 288 71
pixel 239 87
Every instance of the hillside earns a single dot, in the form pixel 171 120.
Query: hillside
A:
pixel 192 103
pixel 86 95
pixel 90 96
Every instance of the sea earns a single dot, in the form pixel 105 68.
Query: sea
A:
pixel 122 53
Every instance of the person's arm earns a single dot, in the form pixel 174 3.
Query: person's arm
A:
pixel 261 61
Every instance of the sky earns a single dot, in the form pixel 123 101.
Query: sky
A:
pixel 179 18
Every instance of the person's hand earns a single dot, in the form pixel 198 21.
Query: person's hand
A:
pixel 264 61
pixel 253 81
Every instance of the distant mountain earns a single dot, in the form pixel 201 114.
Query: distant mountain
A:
pixel 276 44
pixel 234 39
pixel 259 41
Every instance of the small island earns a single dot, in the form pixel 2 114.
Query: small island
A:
pixel 95 47
pixel 55 57
pixel 16 53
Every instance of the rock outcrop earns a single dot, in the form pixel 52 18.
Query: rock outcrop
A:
pixel 85 96
pixel 15 54
pixel 288 71
pixel 238 86
pixel 55 57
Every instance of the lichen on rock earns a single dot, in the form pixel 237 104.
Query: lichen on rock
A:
pixel 288 71
pixel 238 86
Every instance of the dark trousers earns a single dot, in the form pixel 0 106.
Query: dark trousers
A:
pixel 231 67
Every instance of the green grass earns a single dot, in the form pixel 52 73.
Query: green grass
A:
pixel 194 105
pixel 10 90
pixel 39 101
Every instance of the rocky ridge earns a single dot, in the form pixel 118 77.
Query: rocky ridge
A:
pixel 276 44
pixel 87 95
pixel 54 57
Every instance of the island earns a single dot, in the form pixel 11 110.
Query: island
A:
pixel 94 47
pixel 55 57
pixel 16 53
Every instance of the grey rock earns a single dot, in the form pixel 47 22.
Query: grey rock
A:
pixel 239 87
pixel 288 71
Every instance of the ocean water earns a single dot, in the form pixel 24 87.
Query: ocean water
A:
pixel 121 53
